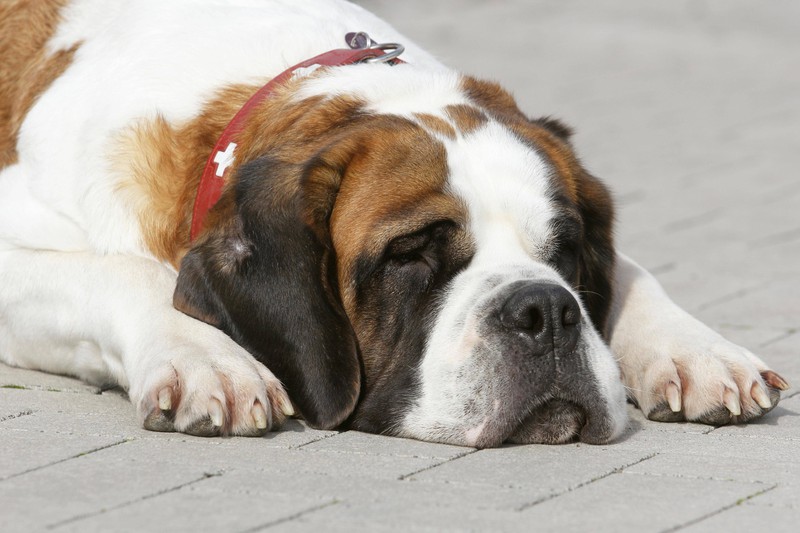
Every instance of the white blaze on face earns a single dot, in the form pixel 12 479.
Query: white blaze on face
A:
pixel 506 187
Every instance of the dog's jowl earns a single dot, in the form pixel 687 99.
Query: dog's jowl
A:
pixel 369 240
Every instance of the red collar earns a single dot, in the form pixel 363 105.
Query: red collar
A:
pixel 222 157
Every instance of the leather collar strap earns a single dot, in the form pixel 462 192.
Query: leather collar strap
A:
pixel 223 155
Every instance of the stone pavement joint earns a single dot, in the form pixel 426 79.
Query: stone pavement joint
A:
pixel 790 332
pixel 314 441
pixel 726 298
pixel 593 480
pixel 721 510
pixel 291 517
pixel 437 465
pixel 85 516
pixel 82 454
pixel 26 412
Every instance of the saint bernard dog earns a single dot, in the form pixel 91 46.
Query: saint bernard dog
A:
pixel 391 247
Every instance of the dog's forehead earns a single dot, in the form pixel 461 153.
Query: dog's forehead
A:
pixel 501 177
pixel 506 185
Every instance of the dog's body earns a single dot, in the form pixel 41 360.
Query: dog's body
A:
pixel 399 244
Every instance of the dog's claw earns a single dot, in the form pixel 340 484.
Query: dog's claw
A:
pixel 761 398
pixel 774 380
pixel 286 406
pixel 674 397
pixel 165 399
pixel 731 401
pixel 259 416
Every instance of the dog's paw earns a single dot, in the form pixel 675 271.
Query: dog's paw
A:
pixel 207 392
pixel 702 377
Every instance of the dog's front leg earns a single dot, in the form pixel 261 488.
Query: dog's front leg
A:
pixel 675 367
pixel 110 319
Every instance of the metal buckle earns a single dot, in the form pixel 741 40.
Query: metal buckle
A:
pixel 361 40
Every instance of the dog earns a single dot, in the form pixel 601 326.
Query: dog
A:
pixel 369 240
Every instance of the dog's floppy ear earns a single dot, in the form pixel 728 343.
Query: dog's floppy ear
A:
pixel 596 262
pixel 266 276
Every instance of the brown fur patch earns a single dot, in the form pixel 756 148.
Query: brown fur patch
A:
pixel 489 96
pixel 466 118
pixel 26 70
pixel 159 166
pixel 396 187
pixel 436 125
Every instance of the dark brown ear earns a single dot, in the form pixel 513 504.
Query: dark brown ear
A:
pixel 267 278
pixel 556 127
pixel 596 263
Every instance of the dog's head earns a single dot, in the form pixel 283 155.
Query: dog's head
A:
pixel 411 255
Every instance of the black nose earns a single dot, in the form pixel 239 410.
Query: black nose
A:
pixel 545 312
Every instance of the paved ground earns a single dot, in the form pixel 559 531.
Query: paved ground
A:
pixel 691 111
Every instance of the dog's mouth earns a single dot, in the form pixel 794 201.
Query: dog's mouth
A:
pixel 556 422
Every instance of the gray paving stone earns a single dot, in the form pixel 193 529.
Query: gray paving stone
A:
pixel 201 506
pixel 630 502
pixel 732 447
pixel 262 461
pixel 541 470
pixel 773 302
pixel 753 469
pixel 357 442
pixel 785 495
pixel 364 489
pixel 744 517
pixel 89 483
pixel 25 451
pixel 406 516
pixel 751 337
pixel 12 378
pixel 143 469
pixel 383 504
pixel 109 413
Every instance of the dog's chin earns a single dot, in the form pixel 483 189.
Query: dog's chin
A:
pixel 556 422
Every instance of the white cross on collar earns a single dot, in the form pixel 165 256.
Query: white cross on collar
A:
pixel 224 159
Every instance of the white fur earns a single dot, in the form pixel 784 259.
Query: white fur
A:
pixel 124 331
